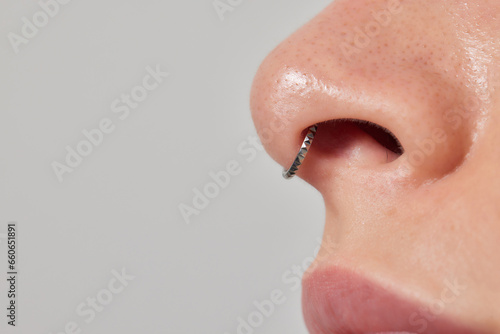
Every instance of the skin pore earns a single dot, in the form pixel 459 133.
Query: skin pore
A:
pixel 414 220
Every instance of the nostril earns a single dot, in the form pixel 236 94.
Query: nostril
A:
pixel 382 135
pixel 347 137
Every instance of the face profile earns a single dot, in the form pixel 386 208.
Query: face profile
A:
pixel 406 99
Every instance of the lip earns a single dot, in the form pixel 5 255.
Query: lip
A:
pixel 339 301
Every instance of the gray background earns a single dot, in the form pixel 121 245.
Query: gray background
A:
pixel 120 207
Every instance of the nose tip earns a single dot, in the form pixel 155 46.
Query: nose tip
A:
pixel 399 81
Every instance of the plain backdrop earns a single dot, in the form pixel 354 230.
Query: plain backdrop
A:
pixel 119 207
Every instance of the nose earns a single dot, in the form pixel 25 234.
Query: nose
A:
pixel 394 101
pixel 404 153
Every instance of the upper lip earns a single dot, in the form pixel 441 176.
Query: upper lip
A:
pixel 339 301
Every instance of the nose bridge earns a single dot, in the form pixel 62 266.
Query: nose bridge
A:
pixel 363 22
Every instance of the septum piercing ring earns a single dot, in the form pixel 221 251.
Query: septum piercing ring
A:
pixel 290 172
